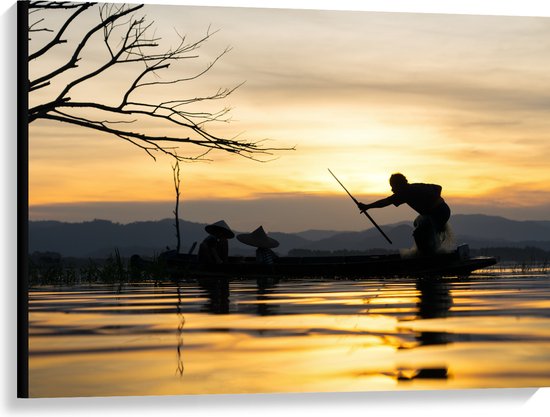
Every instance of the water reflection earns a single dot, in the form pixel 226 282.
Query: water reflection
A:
pixel 217 292
pixel 264 295
pixel 289 335
pixel 435 298
pixel 435 302
pixel 218 295
pixel 424 373
pixel 179 334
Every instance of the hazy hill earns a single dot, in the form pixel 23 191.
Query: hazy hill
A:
pixel 400 235
pixel 478 231
pixel 317 234
pixel 99 238
pixel 499 228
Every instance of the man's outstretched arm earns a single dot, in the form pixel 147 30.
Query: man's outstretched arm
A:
pixel 377 204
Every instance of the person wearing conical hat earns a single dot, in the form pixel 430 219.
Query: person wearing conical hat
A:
pixel 263 244
pixel 214 249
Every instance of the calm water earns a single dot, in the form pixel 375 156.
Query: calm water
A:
pixel 290 336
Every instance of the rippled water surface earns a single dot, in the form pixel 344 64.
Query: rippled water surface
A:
pixel 290 336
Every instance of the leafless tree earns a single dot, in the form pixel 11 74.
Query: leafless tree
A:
pixel 132 48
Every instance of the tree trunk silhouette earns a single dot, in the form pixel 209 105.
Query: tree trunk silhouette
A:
pixel 176 172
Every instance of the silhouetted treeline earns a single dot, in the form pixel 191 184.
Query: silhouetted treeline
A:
pixel 341 252
pixel 529 254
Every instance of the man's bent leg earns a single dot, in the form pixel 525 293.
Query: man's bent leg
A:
pixel 425 235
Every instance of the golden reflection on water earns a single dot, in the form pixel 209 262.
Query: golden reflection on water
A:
pixel 290 336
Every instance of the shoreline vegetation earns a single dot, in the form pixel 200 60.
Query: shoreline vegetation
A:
pixel 50 268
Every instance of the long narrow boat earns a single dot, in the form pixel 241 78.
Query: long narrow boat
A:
pixel 456 263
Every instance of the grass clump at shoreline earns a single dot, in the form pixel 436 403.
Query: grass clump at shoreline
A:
pixel 49 268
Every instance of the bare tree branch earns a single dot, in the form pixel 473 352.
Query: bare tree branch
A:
pixel 57 39
pixel 130 42
pixel 75 56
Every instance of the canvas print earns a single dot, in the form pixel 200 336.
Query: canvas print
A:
pixel 226 200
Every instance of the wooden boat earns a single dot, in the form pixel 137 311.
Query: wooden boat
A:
pixel 457 263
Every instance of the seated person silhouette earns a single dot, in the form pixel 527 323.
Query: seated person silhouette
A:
pixel 426 200
pixel 214 249
pixel 263 244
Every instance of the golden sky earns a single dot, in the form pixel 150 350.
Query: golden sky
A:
pixel 457 100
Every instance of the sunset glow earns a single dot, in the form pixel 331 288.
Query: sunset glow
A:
pixel 461 101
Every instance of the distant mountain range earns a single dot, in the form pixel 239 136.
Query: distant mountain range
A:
pixel 99 238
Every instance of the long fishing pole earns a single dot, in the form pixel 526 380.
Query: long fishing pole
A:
pixel 363 211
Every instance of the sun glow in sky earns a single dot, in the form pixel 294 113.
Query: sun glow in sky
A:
pixel 457 100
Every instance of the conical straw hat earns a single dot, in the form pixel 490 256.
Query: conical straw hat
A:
pixel 258 238
pixel 220 229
